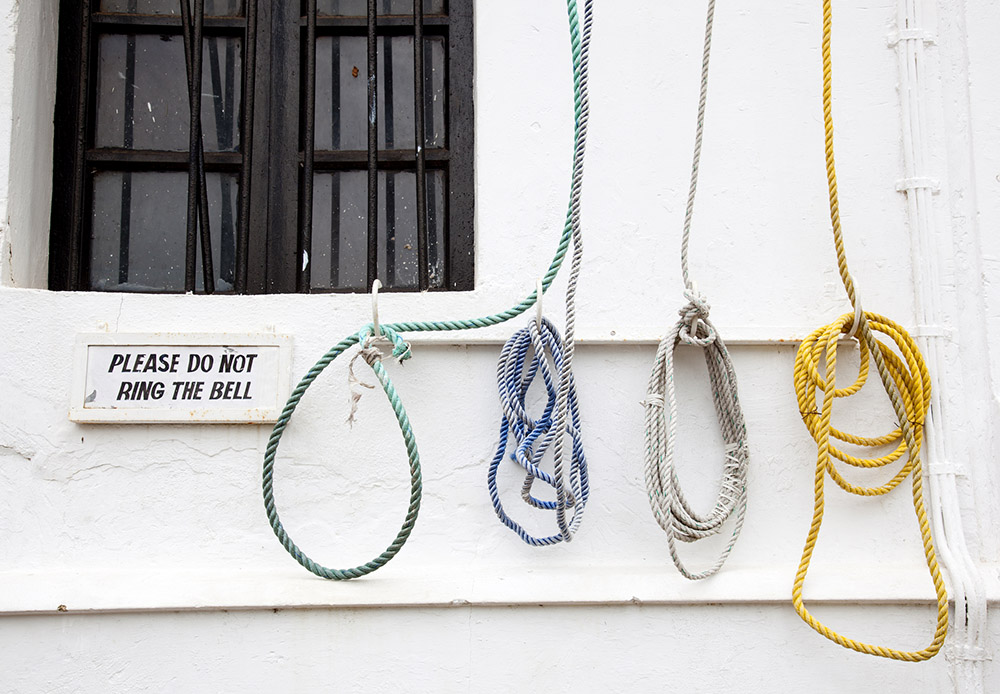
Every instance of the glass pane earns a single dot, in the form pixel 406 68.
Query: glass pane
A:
pixel 139 229
pixel 397 229
pixel 137 235
pixel 434 92
pixel 142 95
pixel 342 93
pixel 340 242
pixel 213 8
pixel 359 8
pixel 436 249
pixel 339 258
pixel 223 193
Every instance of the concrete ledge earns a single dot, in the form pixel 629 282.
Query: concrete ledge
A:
pixel 113 591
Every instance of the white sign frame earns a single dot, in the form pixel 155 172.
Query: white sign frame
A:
pixel 265 414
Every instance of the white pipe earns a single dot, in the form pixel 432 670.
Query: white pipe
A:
pixel 966 643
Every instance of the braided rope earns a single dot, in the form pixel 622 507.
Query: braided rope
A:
pixel 565 394
pixel 670 507
pixel 533 437
pixel 579 45
pixel 907 383
pixel 563 404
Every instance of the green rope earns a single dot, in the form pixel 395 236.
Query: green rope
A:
pixel 401 349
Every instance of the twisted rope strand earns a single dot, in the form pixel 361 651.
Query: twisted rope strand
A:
pixel 670 507
pixel 533 437
pixel 905 380
pixel 566 394
pixel 579 44
pixel 562 404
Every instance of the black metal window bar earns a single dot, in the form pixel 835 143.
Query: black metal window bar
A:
pixel 412 240
pixel 255 117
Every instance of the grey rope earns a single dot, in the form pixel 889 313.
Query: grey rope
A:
pixel 670 507
pixel 696 159
pixel 569 346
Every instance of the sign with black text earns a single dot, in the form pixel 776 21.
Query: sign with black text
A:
pixel 180 378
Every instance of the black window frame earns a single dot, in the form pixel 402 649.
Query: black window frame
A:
pixel 277 153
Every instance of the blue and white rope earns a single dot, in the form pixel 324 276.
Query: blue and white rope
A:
pixel 562 415
pixel 532 438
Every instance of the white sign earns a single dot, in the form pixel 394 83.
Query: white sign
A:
pixel 180 378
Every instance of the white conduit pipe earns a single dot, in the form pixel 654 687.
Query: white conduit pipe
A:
pixel 966 651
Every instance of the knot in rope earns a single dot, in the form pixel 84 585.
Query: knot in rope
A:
pixel 371 355
pixel 400 348
pixel 533 437
pixel 652 400
pixel 695 328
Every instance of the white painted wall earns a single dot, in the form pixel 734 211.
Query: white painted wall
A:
pixel 131 528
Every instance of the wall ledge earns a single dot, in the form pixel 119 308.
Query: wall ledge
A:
pixel 117 591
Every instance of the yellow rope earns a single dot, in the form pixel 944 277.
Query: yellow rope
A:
pixel 906 382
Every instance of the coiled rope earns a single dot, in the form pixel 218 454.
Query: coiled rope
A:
pixel 670 507
pixel 579 44
pixel 533 437
pixel 907 383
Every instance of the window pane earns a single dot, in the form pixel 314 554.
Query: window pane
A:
pixel 142 95
pixel 342 93
pixel 397 229
pixel 340 242
pixel 436 192
pixel 359 8
pixel 223 193
pixel 435 92
pixel 137 235
pixel 213 8
pixel 139 229
pixel 339 258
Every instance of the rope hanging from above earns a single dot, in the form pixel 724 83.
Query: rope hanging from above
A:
pixel 561 417
pixel 670 507
pixel 906 381
pixel 532 438
pixel 579 46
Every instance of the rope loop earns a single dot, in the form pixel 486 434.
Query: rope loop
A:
pixel 670 507
pixel 373 357
pixel 817 391
pixel 533 437
pixel 906 383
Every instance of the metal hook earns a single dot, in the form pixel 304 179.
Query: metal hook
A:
pixel 539 290
pixel 857 321
pixel 376 329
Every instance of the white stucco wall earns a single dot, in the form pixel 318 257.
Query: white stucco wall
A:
pixel 154 538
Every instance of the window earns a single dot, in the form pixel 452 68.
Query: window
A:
pixel 285 183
